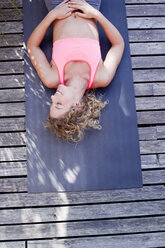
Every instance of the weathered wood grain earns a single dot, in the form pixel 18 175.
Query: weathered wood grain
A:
pixel 11 67
pixel 161 158
pixel 148 133
pixel 152 146
pixel 83 228
pixel 149 35
pixel 12 139
pixel 146 103
pixel 119 241
pixel 159 89
pixel 145 10
pixel 7 4
pixel 12 109
pixel 19 244
pixel 150 48
pixel 20 184
pixel 12 154
pixel 148 62
pixel 13 169
pixel 12 124
pixel 12 81
pixel 12 95
pixel 12 53
pixel 11 40
pixel 149 75
pixel 151 117
pixel 10 28
pixel 145 22
pixel 23 200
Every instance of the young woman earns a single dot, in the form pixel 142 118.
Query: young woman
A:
pixel 76 66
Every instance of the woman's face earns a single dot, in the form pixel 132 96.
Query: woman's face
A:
pixel 62 101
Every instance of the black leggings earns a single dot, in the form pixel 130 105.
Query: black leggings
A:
pixel 50 4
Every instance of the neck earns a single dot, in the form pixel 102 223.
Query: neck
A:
pixel 79 85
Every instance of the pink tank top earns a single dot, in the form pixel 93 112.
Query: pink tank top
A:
pixel 76 49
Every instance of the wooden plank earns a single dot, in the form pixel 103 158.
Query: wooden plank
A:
pixel 146 103
pixel 10 15
pixel 11 40
pixel 12 139
pixel 119 241
pixel 20 184
pixel 12 81
pixel 145 22
pixel 149 35
pixel 10 28
pixel 19 244
pixel 12 154
pixel 148 133
pixel 155 48
pixel 82 212
pixel 12 95
pixel 160 132
pixel 152 146
pixel 12 53
pixel 150 161
pixel 148 62
pixel 7 4
pixel 12 109
pixel 161 158
pixel 151 117
pixel 159 89
pixel 12 124
pixel 83 228
pixel 13 185
pixel 15 200
pixel 11 67
pixel 145 10
pixel 144 89
pixel 13 169
pixel 149 75
pixel 143 1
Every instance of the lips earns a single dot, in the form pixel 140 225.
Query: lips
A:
pixel 59 92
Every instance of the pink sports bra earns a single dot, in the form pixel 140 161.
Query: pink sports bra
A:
pixel 76 49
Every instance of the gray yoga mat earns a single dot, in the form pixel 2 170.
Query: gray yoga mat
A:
pixel 106 159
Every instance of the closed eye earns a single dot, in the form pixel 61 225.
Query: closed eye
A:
pixel 58 106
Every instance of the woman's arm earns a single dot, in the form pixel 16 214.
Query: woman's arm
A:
pixel 114 55
pixel 36 55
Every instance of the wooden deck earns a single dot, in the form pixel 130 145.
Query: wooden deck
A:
pixel 92 219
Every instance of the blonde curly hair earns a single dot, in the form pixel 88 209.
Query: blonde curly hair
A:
pixel 72 126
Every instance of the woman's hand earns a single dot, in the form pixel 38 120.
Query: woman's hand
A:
pixel 61 11
pixel 88 10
